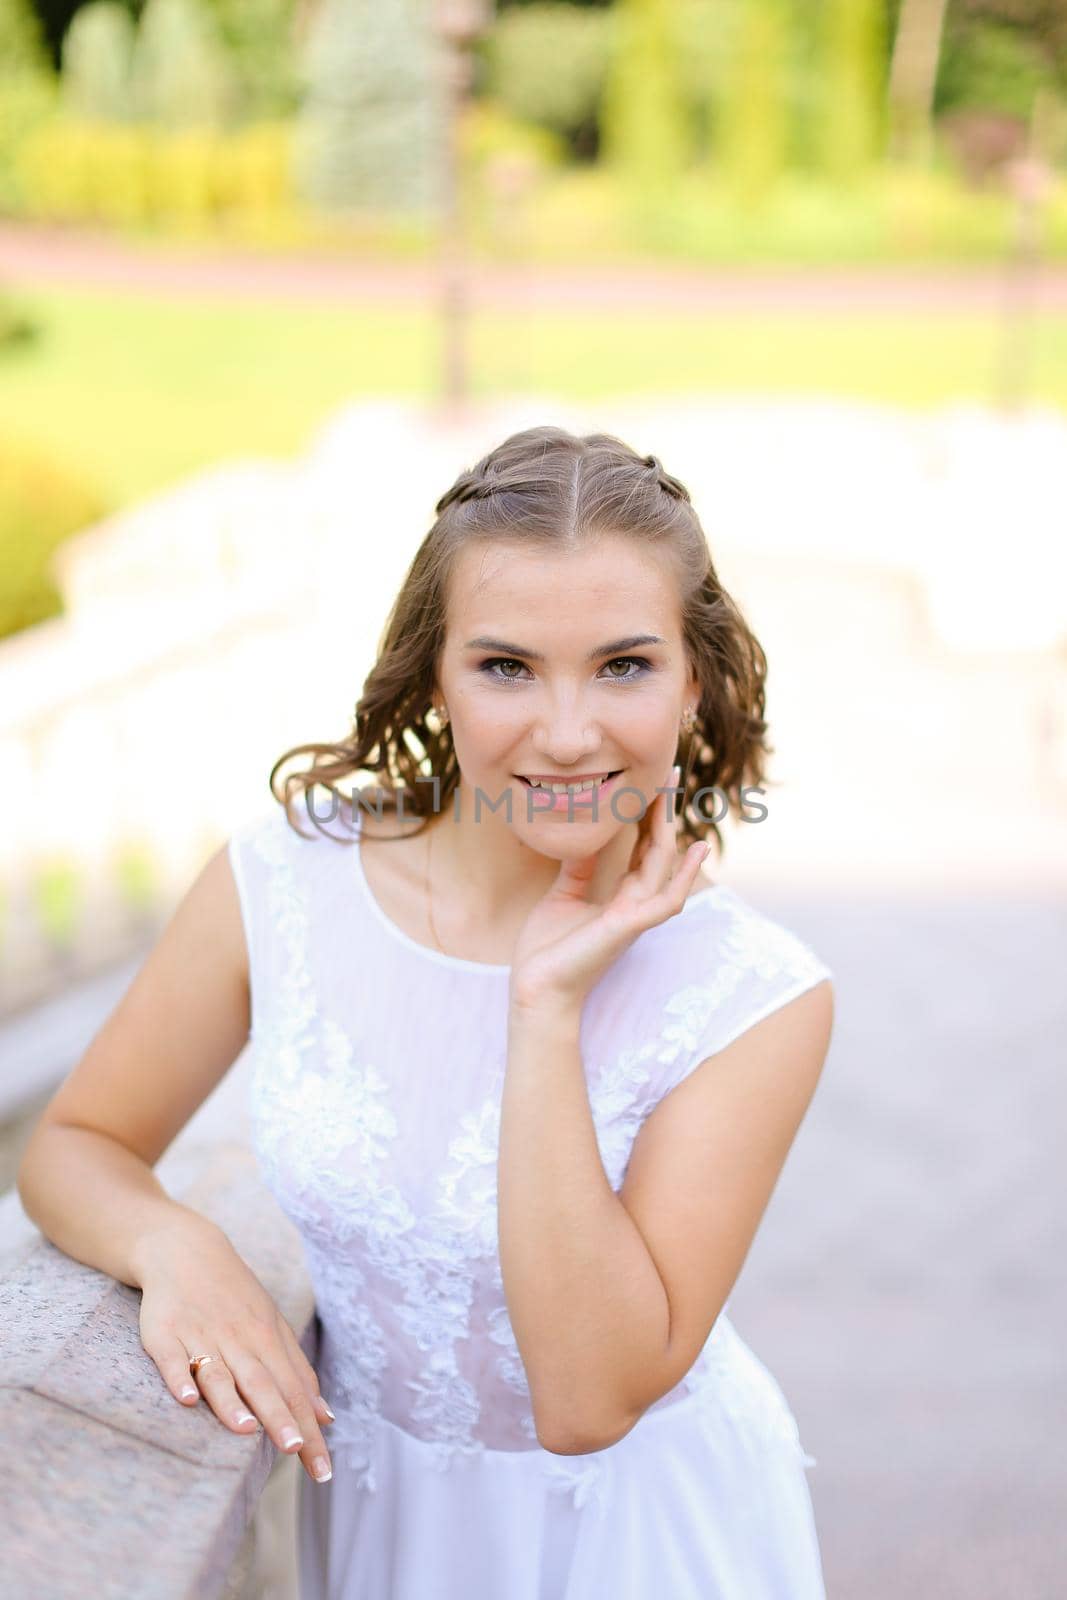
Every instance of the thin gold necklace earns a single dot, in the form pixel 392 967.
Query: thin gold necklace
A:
pixel 429 894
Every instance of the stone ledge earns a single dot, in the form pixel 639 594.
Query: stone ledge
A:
pixel 110 1486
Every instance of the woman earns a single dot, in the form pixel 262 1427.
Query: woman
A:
pixel 524 1079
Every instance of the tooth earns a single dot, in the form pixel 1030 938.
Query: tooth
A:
pixel 568 788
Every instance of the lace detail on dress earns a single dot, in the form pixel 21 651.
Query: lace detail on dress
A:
pixel 749 945
pixel 325 1133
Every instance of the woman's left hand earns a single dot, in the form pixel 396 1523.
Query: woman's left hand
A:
pixel 567 942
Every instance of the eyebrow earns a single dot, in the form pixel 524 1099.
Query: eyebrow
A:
pixel 617 647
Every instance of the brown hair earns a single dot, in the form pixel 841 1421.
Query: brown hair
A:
pixel 550 487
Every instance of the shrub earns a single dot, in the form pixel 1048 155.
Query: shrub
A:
pixel 546 64
pixel 40 506
pixel 27 87
pixel 370 129
pixel 181 75
pixel 128 173
pixel 136 877
pixel 853 87
pixel 647 127
pixel 97 57
pixel 261 46
pixel 58 898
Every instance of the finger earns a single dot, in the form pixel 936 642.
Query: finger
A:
pixel 215 1382
pixel 306 1372
pixel 639 849
pixel 677 890
pixel 273 1389
pixel 658 862
pixel 171 1358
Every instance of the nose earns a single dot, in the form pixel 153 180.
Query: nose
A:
pixel 565 736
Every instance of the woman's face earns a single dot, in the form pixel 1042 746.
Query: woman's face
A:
pixel 568 666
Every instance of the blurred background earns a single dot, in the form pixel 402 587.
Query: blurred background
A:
pixel 272 272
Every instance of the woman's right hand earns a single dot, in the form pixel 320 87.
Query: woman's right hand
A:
pixel 199 1297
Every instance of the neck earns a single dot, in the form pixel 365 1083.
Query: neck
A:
pixel 497 875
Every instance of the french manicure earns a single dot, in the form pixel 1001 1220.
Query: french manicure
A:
pixel 321 1468
pixel 291 1440
pixel 327 1410
pixel 188 1391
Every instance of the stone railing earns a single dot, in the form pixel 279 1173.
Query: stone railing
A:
pixel 109 1486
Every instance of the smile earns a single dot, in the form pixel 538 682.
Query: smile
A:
pixel 582 792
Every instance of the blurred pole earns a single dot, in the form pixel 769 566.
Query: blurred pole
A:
pixel 1029 179
pixel 913 77
pixel 459 23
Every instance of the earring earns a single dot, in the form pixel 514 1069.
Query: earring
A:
pixel 442 716
pixel 689 718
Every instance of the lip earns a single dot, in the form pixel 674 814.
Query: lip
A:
pixel 552 777
pixel 562 802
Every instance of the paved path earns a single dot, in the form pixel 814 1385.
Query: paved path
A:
pixel 32 255
pixel 908 1286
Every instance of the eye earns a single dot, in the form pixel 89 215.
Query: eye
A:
pixel 634 661
pixel 489 668
pixel 504 661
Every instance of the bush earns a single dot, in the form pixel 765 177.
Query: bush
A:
pixel 262 49
pixel 181 75
pixel 58 896
pixel 132 174
pixel 546 64
pixel 488 134
pixel 370 131
pixel 40 506
pixel 648 128
pixel 96 61
pixel 989 67
pixel 27 87
pixel 137 879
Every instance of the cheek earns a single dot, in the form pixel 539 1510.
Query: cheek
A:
pixel 488 728
pixel 646 728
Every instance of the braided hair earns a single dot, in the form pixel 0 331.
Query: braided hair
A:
pixel 550 489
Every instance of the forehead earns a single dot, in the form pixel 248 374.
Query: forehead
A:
pixel 610 578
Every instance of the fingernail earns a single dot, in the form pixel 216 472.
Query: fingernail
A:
pixel 241 1417
pixel 188 1391
pixel 291 1440
pixel 321 1468
pixel 328 1412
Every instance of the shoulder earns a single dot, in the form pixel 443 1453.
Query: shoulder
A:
pixel 724 966
pixel 275 833
pixel 750 940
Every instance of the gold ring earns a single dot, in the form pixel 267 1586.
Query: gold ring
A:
pixel 197 1362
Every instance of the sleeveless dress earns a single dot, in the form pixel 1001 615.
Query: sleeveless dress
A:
pixel 377 1069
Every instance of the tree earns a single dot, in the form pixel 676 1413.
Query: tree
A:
pixel 753 136
pixel 97 57
pixel 645 129
pixel 180 74
pixel 853 85
pixel 370 131
pixel 27 84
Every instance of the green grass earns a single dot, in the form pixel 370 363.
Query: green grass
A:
pixel 133 391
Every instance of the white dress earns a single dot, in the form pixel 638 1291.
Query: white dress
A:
pixel 377 1071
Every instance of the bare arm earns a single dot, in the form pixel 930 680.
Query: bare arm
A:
pixel 85 1176
pixel 611 1297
